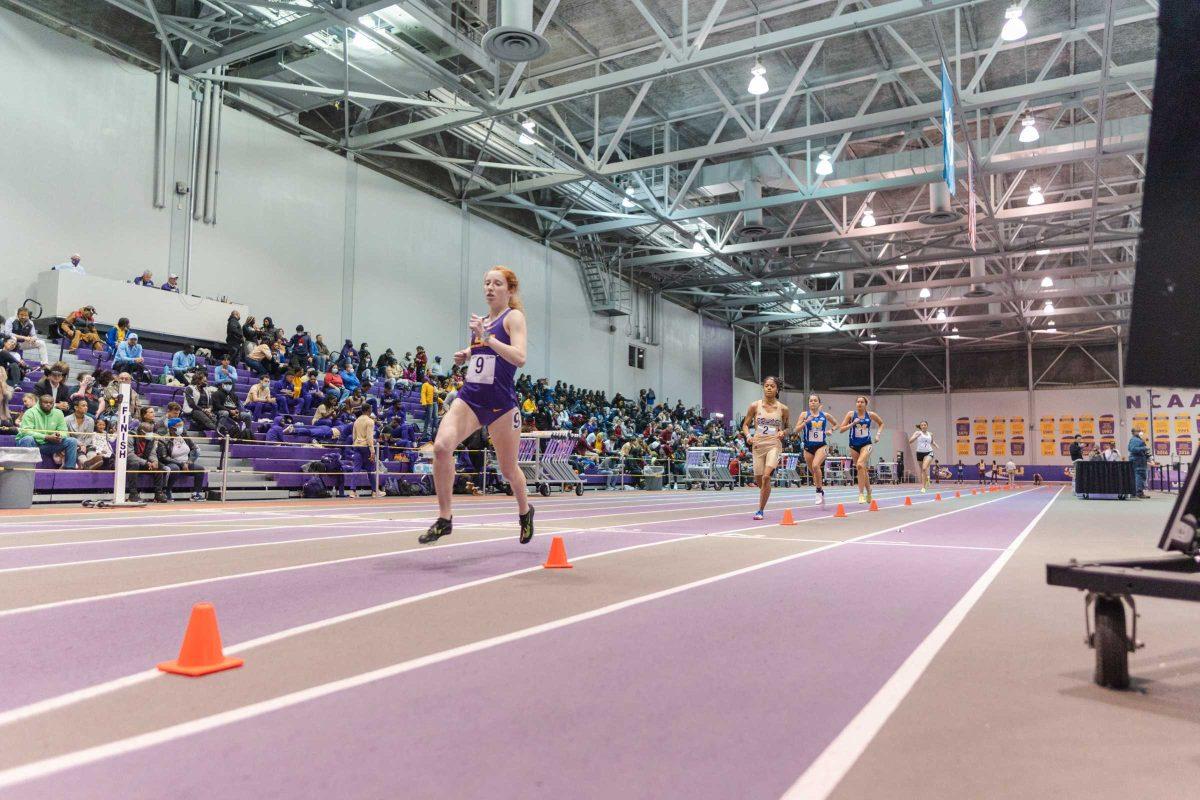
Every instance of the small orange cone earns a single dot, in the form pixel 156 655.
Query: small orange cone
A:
pixel 873 507
pixel 787 517
pixel 201 652
pixel 908 501
pixel 841 511
pixel 957 494
pixel 972 492
pixel 937 496
pixel 558 555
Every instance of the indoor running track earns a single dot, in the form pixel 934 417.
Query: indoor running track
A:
pixel 691 652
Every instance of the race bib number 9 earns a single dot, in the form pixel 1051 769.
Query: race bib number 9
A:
pixel 481 368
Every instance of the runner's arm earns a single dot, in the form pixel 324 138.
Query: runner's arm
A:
pixel 514 324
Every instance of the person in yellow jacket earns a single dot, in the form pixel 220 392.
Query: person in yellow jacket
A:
pixel 430 404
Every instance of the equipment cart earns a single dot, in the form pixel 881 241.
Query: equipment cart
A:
pixel 1112 585
pixel 707 467
pixel 555 468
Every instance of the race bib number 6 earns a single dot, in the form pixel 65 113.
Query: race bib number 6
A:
pixel 481 368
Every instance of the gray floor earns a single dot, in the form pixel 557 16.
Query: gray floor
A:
pixel 1008 707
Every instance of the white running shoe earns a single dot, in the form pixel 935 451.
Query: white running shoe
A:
pixel 922 490
pixel 820 499
pixel 862 498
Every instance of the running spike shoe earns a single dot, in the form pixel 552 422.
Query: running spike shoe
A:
pixel 443 527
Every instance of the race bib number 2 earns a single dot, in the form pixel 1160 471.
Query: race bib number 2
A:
pixel 481 368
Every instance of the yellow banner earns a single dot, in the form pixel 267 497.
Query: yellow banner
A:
pixel 1047 447
pixel 1183 425
pixel 979 426
pixel 1087 425
pixel 998 447
pixel 1162 426
pixel 962 447
pixel 1066 426
pixel 1047 426
pixel 1017 426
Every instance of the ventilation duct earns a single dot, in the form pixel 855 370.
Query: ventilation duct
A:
pixel 752 220
pixel 514 39
pixel 940 212
pixel 977 289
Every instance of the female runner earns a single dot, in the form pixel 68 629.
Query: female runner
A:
pixel 859 422
pixel 925 448
pixel 816 426
pixel 769 419
pixel 488 398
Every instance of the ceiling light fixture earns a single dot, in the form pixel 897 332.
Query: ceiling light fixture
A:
pixel 924 294
pixel 1049 307
pixel 1029 132
pixel 756 284
pixel 758 82
pixel 627 200
pixel 528 126
pixel 1014 27
pixel 941 315
pixel 868 218
pixel 698 243
pixel 796 305
pixel 1042 252
pixel 824 164
pixel 1036 198
pixel 1047 282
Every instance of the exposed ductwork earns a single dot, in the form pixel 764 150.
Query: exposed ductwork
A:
pixel 752 219
pixel 977 271
pixel 940 212
pixel 514 39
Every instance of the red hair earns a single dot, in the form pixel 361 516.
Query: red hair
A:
pixel 514 287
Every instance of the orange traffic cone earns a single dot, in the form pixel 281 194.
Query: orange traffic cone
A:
pixel 957 494
pixel 937 496
pixel 558 555
pixel 908 501
pixel 972 492
pixel 201 652
pixel 787 517
pixel 873 507
pixel 841 511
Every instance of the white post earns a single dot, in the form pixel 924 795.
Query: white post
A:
pixel 122 451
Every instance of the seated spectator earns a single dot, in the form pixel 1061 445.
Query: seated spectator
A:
pixel 117 335
pixel 350 381
pixel 144 457
pixel 110 399
pixel 7 425
pixel 71 265
pixel 231 417
pixel 259 359
pixel 436 369
pixel 80 328
pixel 129 359
pixel 197 404
pixel 54 384
pixel 172 284
pixel 43 426
pixel 259 401
pixel 173 411
pixel 225 372
pixel 81 427
pixel 347 356
pixel 183 363
pixel 179 455
pixel 87 391
pixel 12 363
pixel 23 331
pixel 334 384
pixel 250 332
pixel 322 355
pixel 145 279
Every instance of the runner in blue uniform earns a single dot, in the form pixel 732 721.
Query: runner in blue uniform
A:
pixel 862 440
pixel 488 399
pixel 816 427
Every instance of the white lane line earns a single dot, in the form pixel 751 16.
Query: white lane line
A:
pixel 55 764
pixel 42 706
pixel 351 535
pixel 824 774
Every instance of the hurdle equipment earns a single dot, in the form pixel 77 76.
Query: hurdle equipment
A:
pixel 201 652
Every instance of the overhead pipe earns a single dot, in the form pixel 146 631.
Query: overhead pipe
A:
pixel 214 138
pixel 161 85
pixel 752 219
pixel 200 174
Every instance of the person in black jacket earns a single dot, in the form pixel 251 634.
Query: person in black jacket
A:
pixel 197 405
pixel 1077 449
pixel 54 383
pixel 234 340
pixel 145 457
pixel 231 418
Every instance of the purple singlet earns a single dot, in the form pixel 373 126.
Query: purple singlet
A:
pixel 488 385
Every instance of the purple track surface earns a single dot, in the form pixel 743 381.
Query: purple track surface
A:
pixel 726 689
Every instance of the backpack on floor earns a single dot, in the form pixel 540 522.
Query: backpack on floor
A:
pixel 314 489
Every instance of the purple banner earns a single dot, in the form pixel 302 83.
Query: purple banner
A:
pixel 716 367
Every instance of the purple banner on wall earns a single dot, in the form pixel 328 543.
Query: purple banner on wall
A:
pixel 716 367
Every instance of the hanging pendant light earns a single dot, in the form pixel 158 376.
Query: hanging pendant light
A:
pixel 868 218
pixel 1036 198
pixel 824 164
pixel 758 81
pixel 1047 282
pixel 627 200
pixel 941 315
pixel 1048 307
pixel 1014 27
pixel 1029 132
pixel 924 294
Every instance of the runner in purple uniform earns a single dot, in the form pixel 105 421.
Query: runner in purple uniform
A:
pixel 488 398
